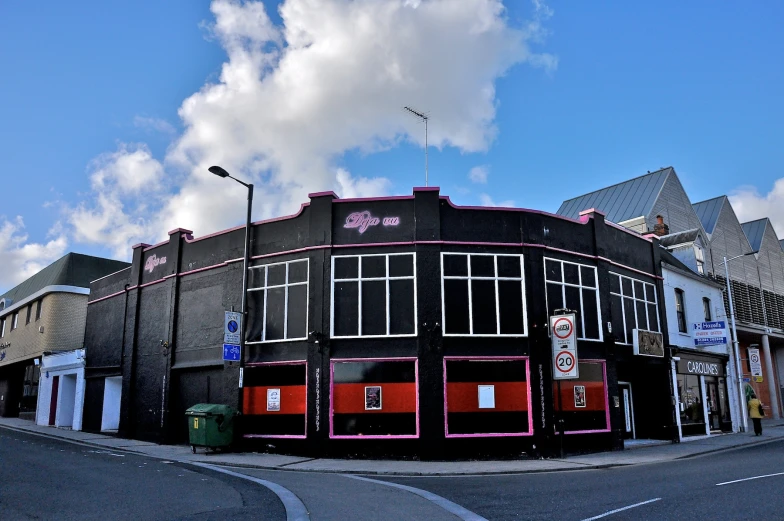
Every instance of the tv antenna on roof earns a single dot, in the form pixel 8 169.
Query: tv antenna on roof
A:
pixel 423 117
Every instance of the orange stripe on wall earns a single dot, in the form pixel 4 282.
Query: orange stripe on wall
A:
pixel 395 397
pixel 594 395
pixel 292 399
pixel 464 396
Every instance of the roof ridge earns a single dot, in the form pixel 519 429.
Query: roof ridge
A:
pixel 708 200
pixel 617 184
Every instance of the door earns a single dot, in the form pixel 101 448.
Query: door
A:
pixel 627 410
pixel 714 404
pixel 53 400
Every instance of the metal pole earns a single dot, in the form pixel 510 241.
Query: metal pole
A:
pixel 560 418
pixel 245 261
pixel 426 175
pixel 736 353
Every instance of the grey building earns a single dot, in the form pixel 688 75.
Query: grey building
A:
pixel 701 236
pixel 44 314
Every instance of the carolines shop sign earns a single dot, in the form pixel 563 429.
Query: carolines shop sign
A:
pixel 361 221
pixel 707 368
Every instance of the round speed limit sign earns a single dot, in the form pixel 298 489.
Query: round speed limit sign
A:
pixel 755 358
pixel 564 362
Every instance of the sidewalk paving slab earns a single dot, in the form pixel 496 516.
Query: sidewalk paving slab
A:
pixel 642 454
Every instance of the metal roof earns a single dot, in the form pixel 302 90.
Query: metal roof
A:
pixel 73 269
pixel 782 243
pixel 623 201
pixel 754 231
pixel 708 212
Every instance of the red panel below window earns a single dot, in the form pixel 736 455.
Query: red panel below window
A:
pixel 395 397
pixel 594 395
pixel 464 396
pixel 292 399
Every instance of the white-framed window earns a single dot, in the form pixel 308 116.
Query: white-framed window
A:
pixel 374 295
pixel 699 256
pixel 483 294
pixel 634 305
pixel 570 285
pixel 15 322
pixel 2 328
pixel 38 309
pixel 278 302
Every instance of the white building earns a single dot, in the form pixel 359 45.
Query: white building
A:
pixel 705 388
pixel 61 390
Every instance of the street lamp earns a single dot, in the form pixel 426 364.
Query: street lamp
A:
pixel 744 423
pixel 220 172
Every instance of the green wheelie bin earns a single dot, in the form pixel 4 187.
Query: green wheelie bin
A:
pixel 210 425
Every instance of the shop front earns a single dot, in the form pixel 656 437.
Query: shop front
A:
pixel 702 400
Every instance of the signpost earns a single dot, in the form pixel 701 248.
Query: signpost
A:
pixel 709 333
pixel 231 336
pixel 564 343
pixel 756 364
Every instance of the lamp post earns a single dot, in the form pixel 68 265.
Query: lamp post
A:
pixel 744 423
pixel 220 172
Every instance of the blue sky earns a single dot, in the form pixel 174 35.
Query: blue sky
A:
pixel 600 93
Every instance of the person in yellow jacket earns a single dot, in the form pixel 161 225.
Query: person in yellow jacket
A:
pixel 755 413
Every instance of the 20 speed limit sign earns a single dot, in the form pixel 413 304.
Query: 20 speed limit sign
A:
pixel 564 342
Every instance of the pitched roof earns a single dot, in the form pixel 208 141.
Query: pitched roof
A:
pixel 623 201
pixel 679 238
pixel 73 269
pixel 782 243
pixel 708 212
pixel 754 231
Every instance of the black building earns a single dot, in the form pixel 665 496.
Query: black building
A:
pixel 393 324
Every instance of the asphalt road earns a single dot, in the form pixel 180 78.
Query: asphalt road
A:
pixel 42 478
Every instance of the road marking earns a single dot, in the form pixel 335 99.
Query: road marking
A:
pixel 444 503
pixel 611 512
pixel 749 479
pixel 295 508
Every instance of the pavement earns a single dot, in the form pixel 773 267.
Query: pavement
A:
pixel 637 452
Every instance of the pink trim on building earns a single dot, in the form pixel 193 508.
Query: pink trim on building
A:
pixel 490 434
pixel 362 360
pixel 285 436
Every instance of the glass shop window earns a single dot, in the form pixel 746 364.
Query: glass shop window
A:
pixel 278 302
pixel 483 294
pixel 374 295
pixel 574 286
pixel 583 402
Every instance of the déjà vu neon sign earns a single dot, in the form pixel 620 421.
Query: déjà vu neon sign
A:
pixel 364 220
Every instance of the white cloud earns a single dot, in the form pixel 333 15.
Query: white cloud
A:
pixel 478 174
pixel 749 205
pixel 293 98
pixel 486 200
pixel 154 124
pixel 20 259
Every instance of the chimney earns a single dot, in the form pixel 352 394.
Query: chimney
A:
pixel 660 228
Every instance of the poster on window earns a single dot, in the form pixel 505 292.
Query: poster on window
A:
pixel 487 396
pixel 579 396
pixel 373 398
pixel 273 399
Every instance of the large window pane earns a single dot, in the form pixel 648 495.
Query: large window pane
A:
pixel 276 313
pixel 554 297
pixel 510 303
pixel 642 315
pixel 590 314
pixel 346 319
pixel 255 324
pixel 616 309
pixel 256 277
pixel 483 307
pixel 456 306
pixel 629 310
pixel 552 270
pixel 401 307
pixel 573 302
pixel 297 317
pixel 374 307
pixel 571 273
pixel 588 277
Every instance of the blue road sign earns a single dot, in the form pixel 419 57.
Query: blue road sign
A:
pixel 231 353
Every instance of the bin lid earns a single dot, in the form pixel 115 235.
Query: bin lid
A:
pixel 209 409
